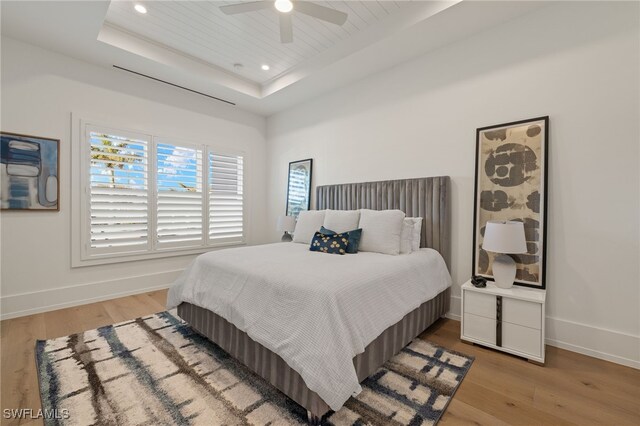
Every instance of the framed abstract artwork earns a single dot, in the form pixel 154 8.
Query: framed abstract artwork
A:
pixel 299 186
pixel 29 172
pixel 511 185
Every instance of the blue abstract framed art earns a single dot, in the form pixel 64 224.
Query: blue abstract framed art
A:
pixel 29 172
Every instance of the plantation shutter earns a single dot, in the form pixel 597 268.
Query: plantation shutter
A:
pixel 118 191
pixel 143 196
pixel 226 198
pixel 180 203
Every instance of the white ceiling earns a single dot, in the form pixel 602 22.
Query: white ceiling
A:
pixel 192 44
pixel 199 29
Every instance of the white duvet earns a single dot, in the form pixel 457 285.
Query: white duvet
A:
pixel 316 310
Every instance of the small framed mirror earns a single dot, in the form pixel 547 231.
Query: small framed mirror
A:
pixel 299 187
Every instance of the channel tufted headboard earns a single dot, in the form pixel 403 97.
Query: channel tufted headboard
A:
pixel 426 197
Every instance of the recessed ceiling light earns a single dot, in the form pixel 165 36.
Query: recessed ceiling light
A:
pixel 284 6
pixel 140 8
pixel 265 67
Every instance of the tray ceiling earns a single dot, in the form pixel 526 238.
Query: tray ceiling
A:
pixel 200 30
pixel 193 45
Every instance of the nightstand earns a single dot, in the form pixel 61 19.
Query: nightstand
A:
pixel 510 320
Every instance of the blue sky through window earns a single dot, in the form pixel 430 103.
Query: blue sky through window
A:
pixel 179 169
pixel 118 162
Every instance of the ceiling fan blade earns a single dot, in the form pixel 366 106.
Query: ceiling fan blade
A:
pixel 320 12
pixel 232 9
pixel 286 28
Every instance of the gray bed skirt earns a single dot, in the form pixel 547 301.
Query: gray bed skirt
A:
pixel 277 372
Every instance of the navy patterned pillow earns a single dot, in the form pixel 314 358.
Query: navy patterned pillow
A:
pixel 334 244
pixel 353 237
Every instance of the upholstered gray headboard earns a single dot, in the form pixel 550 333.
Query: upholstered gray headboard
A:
pixel 426 197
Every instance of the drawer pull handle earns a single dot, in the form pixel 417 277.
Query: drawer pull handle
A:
pixel 499 321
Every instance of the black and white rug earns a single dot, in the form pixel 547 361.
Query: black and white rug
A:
pixel 156 370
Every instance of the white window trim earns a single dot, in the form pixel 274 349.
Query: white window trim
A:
pixel 80 225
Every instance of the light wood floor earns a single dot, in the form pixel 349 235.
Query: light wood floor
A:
pixel 499 389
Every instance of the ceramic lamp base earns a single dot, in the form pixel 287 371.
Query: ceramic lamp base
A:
pixel 504 271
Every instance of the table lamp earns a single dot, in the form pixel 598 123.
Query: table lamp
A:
pixel 504 238
pixel 286 224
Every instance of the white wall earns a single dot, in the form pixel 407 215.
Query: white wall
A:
pixel 40 90
pixel 577 63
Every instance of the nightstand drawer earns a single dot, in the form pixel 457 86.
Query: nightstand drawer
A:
pixel 480 328
pixel 522 312
pixel 522 339
pixel 480 304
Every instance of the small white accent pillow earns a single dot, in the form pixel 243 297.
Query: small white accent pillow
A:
pixel 381 230
pixel 417 233
pixel 309 222
pixel 340 221
pixel 406 236
pixel 417 229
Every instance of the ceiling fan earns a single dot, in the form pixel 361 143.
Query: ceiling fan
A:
pixel 285 7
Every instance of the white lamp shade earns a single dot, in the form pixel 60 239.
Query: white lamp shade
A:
pixel 504 237
pixel 286 223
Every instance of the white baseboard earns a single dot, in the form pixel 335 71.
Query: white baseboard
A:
pixel 452 316
pixel 609 345
pixel 18 305
pixel 596 342
pixel 454 308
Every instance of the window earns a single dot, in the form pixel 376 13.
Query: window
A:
pixel 119 196
pixel 226 207
pixel 179 196
pixel 145 196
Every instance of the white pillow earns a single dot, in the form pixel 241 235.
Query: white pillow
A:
pixel 406 236
pixel 417 228
pixel 341 220
pixel 309 222
pixel 381 230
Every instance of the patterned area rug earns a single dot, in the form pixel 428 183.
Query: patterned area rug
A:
pixel 156 370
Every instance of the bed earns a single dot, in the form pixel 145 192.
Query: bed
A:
pixel 255 290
